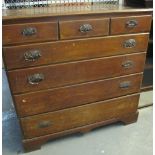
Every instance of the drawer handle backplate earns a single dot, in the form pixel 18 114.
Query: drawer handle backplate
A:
pixel 85 28
pixel 131 23
pixel 125 84
pixel 128 64
pixel 44 124
pixel 29 31
pixel 35 78
pixel 32 55
pixel 129 43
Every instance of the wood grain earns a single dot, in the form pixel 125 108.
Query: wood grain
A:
pixel 76 72
pixel 45 31
pixel 71 50
pixel 35 143
pixel 60 98
pixel 85 84
pixel 71 29
pixel 119 24
pixel 79 116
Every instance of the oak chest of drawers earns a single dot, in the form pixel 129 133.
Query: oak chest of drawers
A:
pixel 73 71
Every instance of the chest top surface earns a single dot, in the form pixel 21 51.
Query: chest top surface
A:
pixel 61 11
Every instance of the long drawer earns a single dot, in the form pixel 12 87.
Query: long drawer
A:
pixel 30 32
pixel 71 50
pixel 60 98
pixel 130 24
pixel 39 78
pixel 79 116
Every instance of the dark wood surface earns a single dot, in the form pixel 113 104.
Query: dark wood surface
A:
pixel 71 50
pixel 78 116
pixel 71 29
pixel 75 72
pixel 149 63
pixel 45 31
pixel 148 87
pixel 119 25
pixel 141 3
pixel 147 83
pixel 35 143
pixel 85 85
pixel 70 96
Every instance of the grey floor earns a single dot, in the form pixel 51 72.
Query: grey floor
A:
pixel 115 139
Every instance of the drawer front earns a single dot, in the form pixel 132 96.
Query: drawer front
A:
pixel 60 98
pixel 79 116
pixel 26 80
pixel 84 28
pixel 30 32
pixel 120 25
pixel 64 51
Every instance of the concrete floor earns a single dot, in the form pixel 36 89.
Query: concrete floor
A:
pixel 115 139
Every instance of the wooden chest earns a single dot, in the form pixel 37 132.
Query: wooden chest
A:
pixel 73 71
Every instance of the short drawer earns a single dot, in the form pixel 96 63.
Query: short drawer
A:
pixel 39 78
pixel 64 51
pixel 53 122
pixel 84 28
pixel 30 32
pixel 130 24
pixel 71 96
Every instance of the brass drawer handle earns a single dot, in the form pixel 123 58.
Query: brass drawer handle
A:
pixel 131 23
pixel 125 84
pixel 86 28
pixel 128 64
pixel 32 55
pixel 44 124
pixel 129 43
pixel 29 31
pixel 35 78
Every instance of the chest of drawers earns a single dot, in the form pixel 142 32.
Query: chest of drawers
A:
pixel 73 71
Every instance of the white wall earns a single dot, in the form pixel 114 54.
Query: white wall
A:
pixel 121 1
